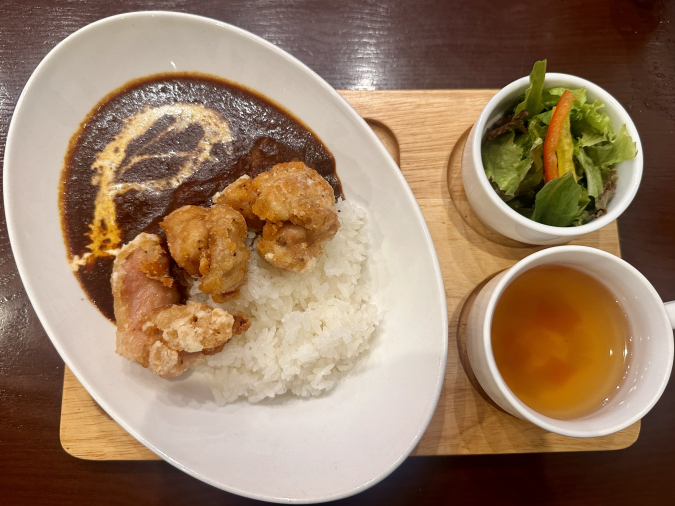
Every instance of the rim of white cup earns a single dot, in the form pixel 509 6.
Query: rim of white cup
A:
pixel 611 104
pixel 528 413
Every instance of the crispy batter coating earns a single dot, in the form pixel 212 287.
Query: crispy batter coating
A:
pixel 288 247
pixel 210 243
pixel 152 329
pixel 296 204
pixel 296 193
pixel 183 335
pixel 240 196
pixel 187 234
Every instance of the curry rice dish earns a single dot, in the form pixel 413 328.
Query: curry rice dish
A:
pixel 273 273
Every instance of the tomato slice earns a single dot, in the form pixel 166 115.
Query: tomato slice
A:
pixel 555 131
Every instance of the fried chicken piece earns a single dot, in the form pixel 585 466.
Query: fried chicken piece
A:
pixel 141 282
pixel 288 247
pixel 187 235
pixel 225 264
pixel 182 336
pixel 152 329
pixel 210 243
pixel 296 193
pixel 297 205
pixel 240 196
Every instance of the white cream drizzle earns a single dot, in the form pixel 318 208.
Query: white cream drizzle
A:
pixel 104 231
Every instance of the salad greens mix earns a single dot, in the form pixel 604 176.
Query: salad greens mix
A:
pixel 551 157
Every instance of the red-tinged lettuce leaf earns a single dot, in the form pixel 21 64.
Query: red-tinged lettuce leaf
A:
pixel 560 202
pixel 609 190
pixel 598 206
pixel 533 103
pixel 508 124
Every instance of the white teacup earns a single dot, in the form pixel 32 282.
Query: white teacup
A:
pixel 652 341
pixel 496 214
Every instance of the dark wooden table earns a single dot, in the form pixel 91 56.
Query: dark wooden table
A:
pixel 627 47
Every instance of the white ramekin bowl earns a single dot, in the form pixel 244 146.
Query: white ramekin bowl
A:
pixel 496 214
pixel 651 354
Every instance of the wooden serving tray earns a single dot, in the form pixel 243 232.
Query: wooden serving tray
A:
pixel 425 132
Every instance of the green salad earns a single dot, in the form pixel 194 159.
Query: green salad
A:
pixel 552 156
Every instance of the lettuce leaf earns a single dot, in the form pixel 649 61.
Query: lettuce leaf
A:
pixel 596 119
pixel 591 138
pixel 551 96
pixel 583 199
pixel 537 129
pixel 560 202
pixel 583 218
pixel 533 103
pixel 537 154
pixel 594 183
pixel 518 206
pixel 615 151
pixel 531 183
pixel 524 142
pixel 535 175
pixel 590 125
pixel 545 117
pixel 533 179
pixel 503 163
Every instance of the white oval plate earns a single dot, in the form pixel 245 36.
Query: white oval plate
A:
pixel 289 449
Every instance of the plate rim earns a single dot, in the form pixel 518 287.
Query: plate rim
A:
pixel 37 307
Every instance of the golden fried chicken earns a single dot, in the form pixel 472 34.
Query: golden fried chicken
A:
pixel 288 247
pixel 187 235
pixel 182 335
pixel 152 329
pixel 240 196
pixel 296 193
pixel 296 204
pixel 210 243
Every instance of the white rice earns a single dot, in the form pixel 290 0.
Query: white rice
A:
pixel 307 329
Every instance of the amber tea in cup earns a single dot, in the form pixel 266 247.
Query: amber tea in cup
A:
pixel 561 341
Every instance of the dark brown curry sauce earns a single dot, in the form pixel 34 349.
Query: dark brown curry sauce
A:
pixel 263 134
